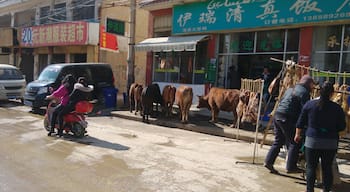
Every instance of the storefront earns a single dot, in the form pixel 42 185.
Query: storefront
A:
pixel 248 34
pixel 58 43
pixel 178 60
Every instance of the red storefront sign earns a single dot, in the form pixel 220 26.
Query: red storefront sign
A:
pixel 108 41
pixel 70 33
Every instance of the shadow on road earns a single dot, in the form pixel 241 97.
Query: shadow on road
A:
pixel 93 141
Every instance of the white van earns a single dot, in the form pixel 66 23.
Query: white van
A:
pixel 12 83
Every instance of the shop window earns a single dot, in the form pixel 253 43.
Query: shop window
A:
pixel 201 62
pixel 326 62
pixel 187 67
pixel 243 43
pixel 270 41
pixel 237 43
pixel 166 67
pixel 244 55
pixel 293 39
pixel 346 66
pixel 327 38
pixel 331 47
pixel 346 40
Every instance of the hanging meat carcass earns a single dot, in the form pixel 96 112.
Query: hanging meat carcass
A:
pixel 242 104
pixel 250 115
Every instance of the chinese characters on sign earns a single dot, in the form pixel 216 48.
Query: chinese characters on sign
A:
pixel 213 15
pixel 333 41
pixel 55 35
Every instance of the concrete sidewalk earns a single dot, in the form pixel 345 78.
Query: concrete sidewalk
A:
pixel 199 122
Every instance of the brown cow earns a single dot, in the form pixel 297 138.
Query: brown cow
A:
pixel 220 99
pixel 150 94
pixel 183 97
pixel 168 99
pixel 137 98
pixel 131 96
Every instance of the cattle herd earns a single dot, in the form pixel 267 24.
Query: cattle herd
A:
pixel 242 103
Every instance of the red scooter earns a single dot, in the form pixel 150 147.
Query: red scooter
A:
pixel 73 122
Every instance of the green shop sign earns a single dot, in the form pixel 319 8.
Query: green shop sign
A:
pixel 215 15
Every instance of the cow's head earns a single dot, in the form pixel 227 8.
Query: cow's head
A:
pixel 202 102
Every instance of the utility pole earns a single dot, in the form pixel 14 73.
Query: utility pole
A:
pixel 131 49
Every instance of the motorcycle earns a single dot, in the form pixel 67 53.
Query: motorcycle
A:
pixel 73 122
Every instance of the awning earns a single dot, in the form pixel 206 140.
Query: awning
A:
pixel 173 43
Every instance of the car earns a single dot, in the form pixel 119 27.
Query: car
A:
pixel 12 83
pixel 99 75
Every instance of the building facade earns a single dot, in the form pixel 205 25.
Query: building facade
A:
pixel 115 18
pixel 241 37
pixel 36 33
pixel 46 32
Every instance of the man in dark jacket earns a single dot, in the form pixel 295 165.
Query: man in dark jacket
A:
pixel 284 121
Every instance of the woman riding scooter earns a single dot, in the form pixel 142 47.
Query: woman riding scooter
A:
pixel 81 92
pixel 62 94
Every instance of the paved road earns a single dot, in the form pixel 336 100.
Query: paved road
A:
pixel 122 155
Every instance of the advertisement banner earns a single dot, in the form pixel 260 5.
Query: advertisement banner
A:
pixel 108 41
pixel 70 33
pixel 216 15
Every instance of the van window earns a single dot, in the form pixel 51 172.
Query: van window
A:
pixel 102 74
pixel 49 74
pixel 84 71
pixel 8 73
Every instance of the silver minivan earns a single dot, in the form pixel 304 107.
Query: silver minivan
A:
pixel 12 83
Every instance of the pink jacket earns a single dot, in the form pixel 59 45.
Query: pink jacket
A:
pixel 62 94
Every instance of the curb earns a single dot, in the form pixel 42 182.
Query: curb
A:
pixel 216 129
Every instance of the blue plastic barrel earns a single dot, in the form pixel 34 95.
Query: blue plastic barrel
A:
pixel 110 95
